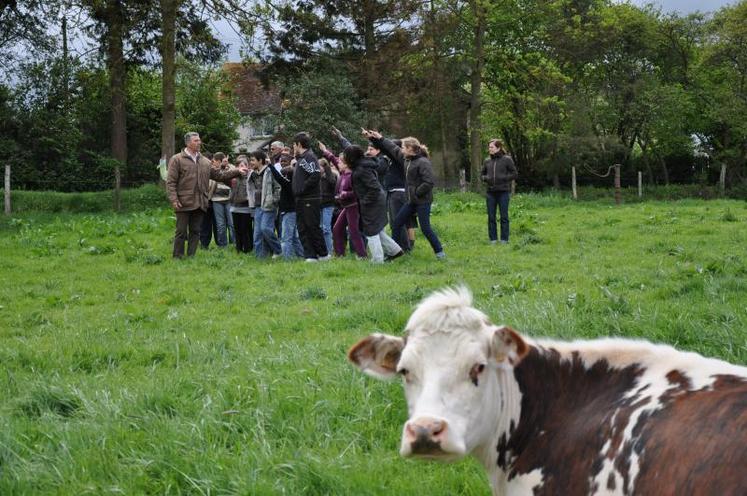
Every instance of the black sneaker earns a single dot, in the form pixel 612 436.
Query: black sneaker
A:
pixel 392 257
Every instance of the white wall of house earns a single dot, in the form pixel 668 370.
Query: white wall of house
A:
pixel 254 131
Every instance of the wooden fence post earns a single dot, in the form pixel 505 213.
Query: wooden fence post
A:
pixel 640 184
pixel 618 194
pixel 462 180
pixel 722 180
pixel 573 183
pixel 7 190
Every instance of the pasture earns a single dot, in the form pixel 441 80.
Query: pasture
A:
pixel 125 372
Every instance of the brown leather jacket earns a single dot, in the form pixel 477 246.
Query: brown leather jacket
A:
pixel 189 182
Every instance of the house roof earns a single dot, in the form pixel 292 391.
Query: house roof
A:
pixel 251 96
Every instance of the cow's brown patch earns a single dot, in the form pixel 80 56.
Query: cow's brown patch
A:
pixel 696 444
pixel 566 413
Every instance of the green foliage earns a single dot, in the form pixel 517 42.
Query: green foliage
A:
pixel 129 372
pixel 133 200
pixel 319 98
pixel 206 105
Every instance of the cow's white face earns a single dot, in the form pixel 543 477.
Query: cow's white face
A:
pixel 450 363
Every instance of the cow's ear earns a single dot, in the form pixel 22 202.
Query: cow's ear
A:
pixel 507 344
pixel 377 355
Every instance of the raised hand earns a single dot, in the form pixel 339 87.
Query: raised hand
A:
pixel 322 147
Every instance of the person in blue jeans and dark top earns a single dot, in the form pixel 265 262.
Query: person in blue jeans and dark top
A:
pixel 498 171
pixel 419 182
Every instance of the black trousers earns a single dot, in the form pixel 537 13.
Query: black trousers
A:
pixel 188 226
pixel 308 220
pixel 244 231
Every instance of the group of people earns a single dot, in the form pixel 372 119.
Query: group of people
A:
pixel 291 204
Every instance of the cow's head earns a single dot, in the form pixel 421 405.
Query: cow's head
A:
pixel 451 360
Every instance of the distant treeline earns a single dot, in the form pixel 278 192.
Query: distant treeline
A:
pixel 564 83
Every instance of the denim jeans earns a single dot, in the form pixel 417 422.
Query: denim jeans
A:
pixel 265 241
pixel 223 223
pixel 424 219
pixel 497 199
pixel 326 225
pixel 395 200
pixel 290 245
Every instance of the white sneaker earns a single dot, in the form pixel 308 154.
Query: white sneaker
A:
pixel 325 258
pixel 311 260
pixel 276 255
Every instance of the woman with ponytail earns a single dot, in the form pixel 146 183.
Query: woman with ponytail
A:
pixel 419 184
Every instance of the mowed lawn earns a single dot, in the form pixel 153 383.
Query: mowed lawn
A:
pixel 125 372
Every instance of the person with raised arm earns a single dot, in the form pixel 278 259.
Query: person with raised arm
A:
pixel 187 186
pixel 419 182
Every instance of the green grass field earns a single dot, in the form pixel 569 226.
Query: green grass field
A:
pixel 124 372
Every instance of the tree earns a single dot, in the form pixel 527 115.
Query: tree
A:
pixel 316 100
pixel 367 34
pixel 723 91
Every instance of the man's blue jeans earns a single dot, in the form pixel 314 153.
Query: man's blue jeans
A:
pixel 326 226
pixel 223 223
pixel 290 244
pixel 265 241
pixel 500 200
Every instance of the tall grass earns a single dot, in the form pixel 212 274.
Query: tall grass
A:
pixel 124 371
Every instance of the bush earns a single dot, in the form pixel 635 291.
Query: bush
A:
pixel 147 196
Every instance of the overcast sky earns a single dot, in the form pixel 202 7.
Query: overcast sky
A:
pixel 686 6
pixel 227 35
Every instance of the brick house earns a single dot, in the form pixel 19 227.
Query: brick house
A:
pixel 259 107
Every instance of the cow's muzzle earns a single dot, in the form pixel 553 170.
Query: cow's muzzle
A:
pixel 427 437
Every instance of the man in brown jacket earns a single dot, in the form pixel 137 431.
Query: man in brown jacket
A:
pixel 187 184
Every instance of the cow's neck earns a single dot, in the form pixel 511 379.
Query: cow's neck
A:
pixel 553 388
pixel 508 411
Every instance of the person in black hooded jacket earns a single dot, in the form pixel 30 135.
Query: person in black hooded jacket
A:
pixel 372 205
pixel 419 185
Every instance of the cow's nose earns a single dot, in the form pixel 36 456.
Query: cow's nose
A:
pixel 424 434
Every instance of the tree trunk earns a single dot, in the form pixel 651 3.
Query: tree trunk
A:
pixel 168 89
pixel 664 171
pixel 369 47
pixel 475 97
pixel 439 95
pixel 117 85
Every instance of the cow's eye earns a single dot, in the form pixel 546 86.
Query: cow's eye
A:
pixel 404 373
pixel 475 371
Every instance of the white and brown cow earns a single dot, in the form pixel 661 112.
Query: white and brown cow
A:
pixel 609 416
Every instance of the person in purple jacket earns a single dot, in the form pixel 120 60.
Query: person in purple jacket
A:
pixel 349 217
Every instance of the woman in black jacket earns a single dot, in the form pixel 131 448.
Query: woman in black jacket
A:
pixel 419 184
pixel 498 172
pixel 372 205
